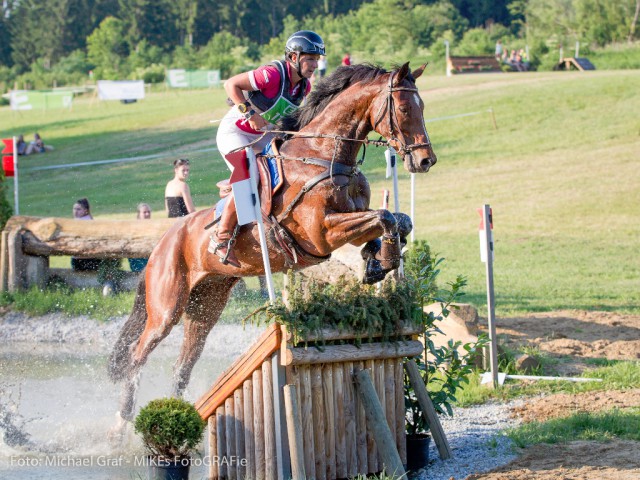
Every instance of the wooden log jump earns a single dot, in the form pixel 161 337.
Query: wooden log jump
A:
pixel 28 242
pixel 335 436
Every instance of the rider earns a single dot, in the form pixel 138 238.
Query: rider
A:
pixel 260 98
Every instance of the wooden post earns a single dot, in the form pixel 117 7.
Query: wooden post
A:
pixel 351 439
pixel 249 446
pixel 238 408
pixel 361 422
pixel 4 261
pixel 306 410
pixel 280 423
pixel 222 442
pixel 400 416
pixel 230 427
pixel 390 396
pixel 318 420
pixel 372 455
pixel 294 430
pixel 270 460
pixel 329 420
pixel 378 424
pixel 429 411
pixel 16 262
pixel 258 424
pixel 378 382
pixel 213 447
pixel 339 433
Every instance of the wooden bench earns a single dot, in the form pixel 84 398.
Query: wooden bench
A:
pixel 478 64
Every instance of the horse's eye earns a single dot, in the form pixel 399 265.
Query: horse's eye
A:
pixel 403 109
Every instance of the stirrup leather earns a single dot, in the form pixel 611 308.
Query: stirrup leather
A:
pixel 215 246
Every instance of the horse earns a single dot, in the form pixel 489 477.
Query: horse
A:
pixel 323 205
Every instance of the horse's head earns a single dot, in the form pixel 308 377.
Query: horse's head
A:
pixel 397 115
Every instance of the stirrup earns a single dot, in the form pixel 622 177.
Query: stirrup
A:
pixel 223 248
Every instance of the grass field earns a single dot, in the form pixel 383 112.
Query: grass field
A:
pixel 559 172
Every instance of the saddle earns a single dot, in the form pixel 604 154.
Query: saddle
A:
pixel 270 182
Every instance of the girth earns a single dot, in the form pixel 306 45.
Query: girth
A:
pixel 332 169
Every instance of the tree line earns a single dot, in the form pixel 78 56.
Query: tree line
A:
pixel 46 41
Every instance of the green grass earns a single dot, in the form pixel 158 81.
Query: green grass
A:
pixel 599 426
pixel 619 375
pixel 560 173
pixel 91 303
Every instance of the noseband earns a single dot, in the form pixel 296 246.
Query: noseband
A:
pixel 404 149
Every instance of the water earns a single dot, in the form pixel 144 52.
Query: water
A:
pixel 57 404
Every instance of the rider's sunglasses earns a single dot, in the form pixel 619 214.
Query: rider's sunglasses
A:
pixel 181 161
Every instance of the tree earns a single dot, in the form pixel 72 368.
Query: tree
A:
pixel 107 49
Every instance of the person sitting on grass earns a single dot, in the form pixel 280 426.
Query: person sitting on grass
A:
pixel 38 146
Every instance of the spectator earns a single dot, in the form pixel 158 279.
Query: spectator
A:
pixel 322 66
pixel 346 60
pixel 21 146
pixel 499 50
pixel 144 213
pixel 38 146
pixel 177 196
pixel 82 211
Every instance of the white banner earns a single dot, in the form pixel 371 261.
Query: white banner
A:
pixel 120 89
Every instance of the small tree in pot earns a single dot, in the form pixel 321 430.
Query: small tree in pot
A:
pixel 443 370
pixel 170 429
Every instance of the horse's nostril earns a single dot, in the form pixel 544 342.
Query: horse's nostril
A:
pixel 428 162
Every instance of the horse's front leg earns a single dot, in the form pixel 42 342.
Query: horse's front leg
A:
pixel 358 227
pixel 380 254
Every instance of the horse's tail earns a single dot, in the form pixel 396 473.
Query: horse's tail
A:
pixel 120 358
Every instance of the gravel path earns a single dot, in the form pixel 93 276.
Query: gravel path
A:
pixel 475 440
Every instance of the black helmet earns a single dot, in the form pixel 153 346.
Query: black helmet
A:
pixel 305 41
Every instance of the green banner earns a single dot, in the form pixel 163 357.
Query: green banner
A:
pixel 40 99
pixel 179 78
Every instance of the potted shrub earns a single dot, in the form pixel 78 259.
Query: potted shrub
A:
pixel 170 429
pixel 443 369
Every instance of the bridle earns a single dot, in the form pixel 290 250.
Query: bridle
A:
pixel 401 147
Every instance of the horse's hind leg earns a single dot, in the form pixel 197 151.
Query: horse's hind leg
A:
pixel 205 305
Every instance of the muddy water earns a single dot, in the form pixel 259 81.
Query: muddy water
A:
pixel 57 404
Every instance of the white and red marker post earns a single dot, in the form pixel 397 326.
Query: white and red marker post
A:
pixel 10 167
pixel 244 183
pixel 485 233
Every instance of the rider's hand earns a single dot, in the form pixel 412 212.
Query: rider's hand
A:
pixel 257 122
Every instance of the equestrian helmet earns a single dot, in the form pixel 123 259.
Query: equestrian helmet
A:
pixel 305 41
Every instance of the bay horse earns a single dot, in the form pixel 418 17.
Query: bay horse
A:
pixel 318 216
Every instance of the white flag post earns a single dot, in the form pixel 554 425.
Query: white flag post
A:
pixel 15 175
pixel 486 255
pixel 412 213
pixel 253 172
pixel 392 170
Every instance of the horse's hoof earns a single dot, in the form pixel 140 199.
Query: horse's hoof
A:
pixel 373 272
pixel 404 225
pixel 370 249
pixel 116 434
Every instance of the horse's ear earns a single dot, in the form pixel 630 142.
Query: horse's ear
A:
pixel 418 71
pixel 403 71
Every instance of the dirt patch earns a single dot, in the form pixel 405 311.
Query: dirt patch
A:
pixel 583 336
pixel 572 340
pixel 616 460
pixel 564 405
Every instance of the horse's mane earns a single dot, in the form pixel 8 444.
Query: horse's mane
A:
pixel 327 89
